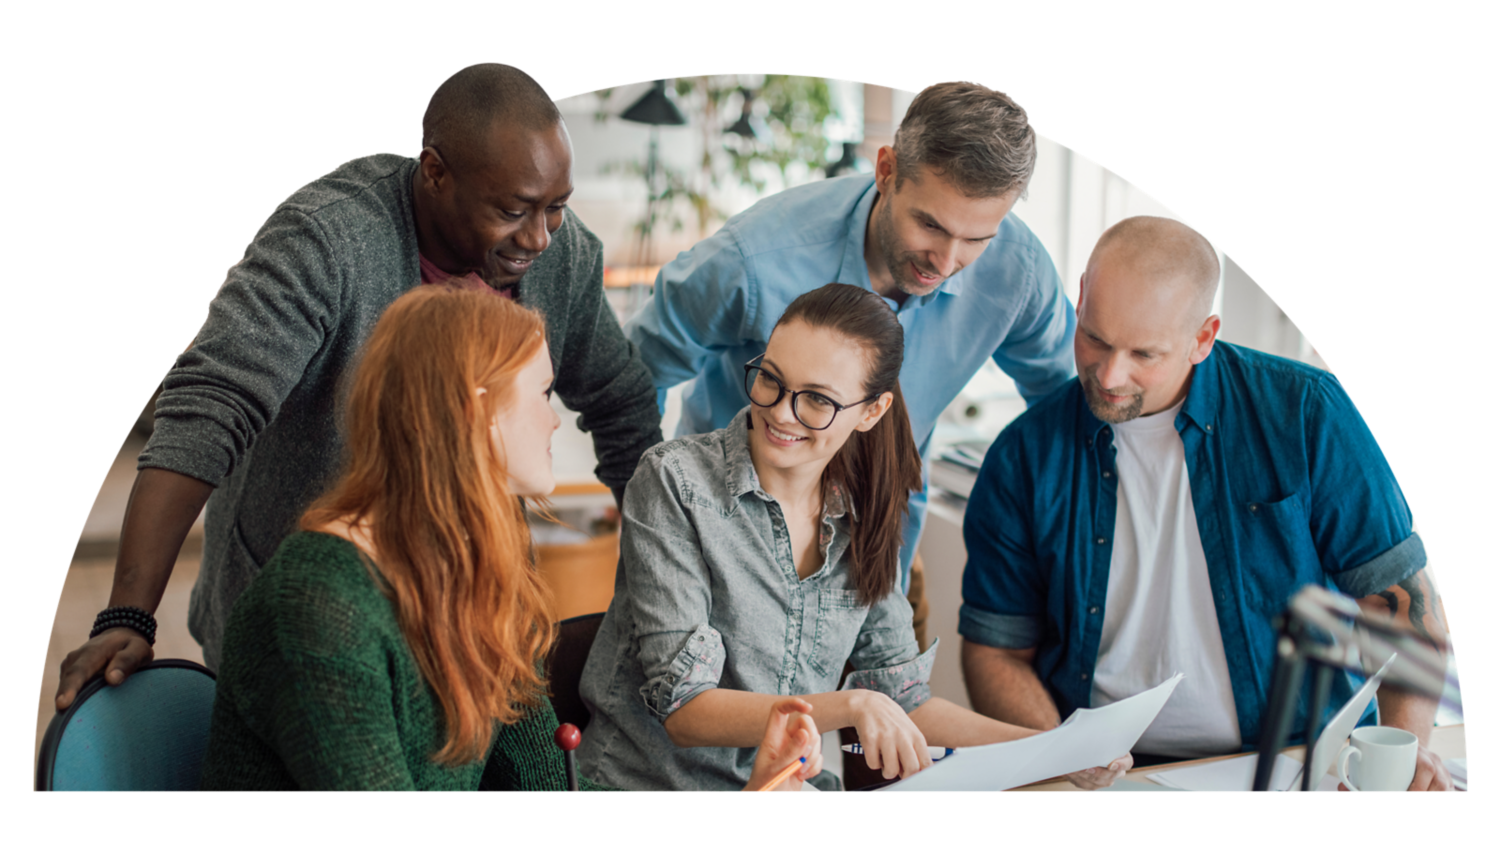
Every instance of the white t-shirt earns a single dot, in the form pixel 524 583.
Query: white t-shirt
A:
pixel 1159 615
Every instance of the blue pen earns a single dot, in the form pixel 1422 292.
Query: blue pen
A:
pixel 937 752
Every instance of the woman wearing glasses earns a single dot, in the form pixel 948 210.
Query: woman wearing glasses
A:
pixel 397 641
pixel 757 559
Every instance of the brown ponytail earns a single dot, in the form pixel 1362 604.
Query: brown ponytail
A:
pixel 878 469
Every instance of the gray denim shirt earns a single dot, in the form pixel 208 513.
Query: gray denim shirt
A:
pixel 707 596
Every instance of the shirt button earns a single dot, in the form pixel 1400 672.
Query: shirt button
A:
pixel 1208 428
pixel 1093 610
pixel 1106 474
pixel 1083 676
pixel 1254 507
pixel 1099 540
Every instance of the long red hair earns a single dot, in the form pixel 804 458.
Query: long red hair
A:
pixel 451 546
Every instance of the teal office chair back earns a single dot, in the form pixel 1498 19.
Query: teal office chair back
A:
pixel 147 734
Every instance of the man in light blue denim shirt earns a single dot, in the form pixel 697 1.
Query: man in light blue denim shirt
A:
pixel 931 232
pixel 698 520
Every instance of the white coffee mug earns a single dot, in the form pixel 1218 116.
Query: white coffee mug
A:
pixel 1378 759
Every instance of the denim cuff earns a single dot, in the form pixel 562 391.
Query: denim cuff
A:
pixel 696 669
pixel 999 631
pixel 1396 564
pixel 904 682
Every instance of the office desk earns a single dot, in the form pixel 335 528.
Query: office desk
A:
pixel 1447 742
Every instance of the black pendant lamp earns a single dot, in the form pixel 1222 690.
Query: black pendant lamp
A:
pixel 749 127
pixel 654 108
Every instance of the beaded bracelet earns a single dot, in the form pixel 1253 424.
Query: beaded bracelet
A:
pixel 136 619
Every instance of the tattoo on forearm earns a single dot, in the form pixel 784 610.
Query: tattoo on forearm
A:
pixel 1418 607
pixel 1390 600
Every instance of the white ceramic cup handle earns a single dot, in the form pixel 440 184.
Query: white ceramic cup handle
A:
pixel 1343 765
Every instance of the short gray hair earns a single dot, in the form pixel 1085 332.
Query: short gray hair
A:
pixel 976 138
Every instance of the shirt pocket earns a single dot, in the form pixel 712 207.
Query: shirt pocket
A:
pixel 840 617
pixel 1276 552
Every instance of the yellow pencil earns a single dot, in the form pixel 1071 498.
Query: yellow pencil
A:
pixel 785 772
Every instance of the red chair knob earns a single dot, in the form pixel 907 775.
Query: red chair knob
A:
pixel 567 737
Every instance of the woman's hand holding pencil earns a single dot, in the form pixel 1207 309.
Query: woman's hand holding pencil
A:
pixel 791 751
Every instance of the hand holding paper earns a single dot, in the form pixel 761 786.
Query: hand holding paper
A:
pixel 1093 779
pixel 1088 738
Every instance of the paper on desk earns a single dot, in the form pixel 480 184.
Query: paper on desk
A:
pixel 1237 774
pixel 1123 784
pixel 1087 738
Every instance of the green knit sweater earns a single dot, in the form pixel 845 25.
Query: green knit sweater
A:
pixel 319 690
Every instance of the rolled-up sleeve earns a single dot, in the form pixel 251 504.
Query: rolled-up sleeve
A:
pixel 667 588
pixel 1360 521
pixel 691 668
pixel 885 657
pixel 907 683
pixel 999 631
pixel 1004 588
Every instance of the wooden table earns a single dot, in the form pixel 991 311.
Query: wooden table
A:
pixel 1447 742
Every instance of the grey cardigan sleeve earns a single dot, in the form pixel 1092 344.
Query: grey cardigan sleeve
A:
pixel 599 373
pixel 266 322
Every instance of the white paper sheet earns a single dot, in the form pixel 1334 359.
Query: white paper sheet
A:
pixel 1087 738
pixel 1237 774
pixel 1092 737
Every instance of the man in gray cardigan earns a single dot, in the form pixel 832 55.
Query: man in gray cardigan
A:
pixel 247 419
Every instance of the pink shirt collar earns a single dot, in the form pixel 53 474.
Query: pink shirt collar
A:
pixel 432 274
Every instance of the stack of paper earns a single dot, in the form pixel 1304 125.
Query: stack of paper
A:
pixel 1087 738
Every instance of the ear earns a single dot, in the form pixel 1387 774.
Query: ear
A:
pixel 885 170
pixel 476 405
pixel 435 174
pixel 1203 341
pixel 874 410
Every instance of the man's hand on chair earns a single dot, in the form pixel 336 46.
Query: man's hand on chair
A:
pixel 118 652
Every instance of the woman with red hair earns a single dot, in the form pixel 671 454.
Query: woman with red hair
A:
pixel 396 641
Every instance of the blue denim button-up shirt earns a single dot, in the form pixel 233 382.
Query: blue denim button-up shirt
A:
pixel 1289 488
pixel 715 305
pixel 707 596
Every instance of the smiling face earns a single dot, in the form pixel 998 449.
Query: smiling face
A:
pixel 523 428
pixel 1138 339
pixel 926 230
pixel 819 359
pixel 496 213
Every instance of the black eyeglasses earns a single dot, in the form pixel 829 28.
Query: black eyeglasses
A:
pixel 766 390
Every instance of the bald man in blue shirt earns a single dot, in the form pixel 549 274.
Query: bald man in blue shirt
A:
pixel 1155 516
